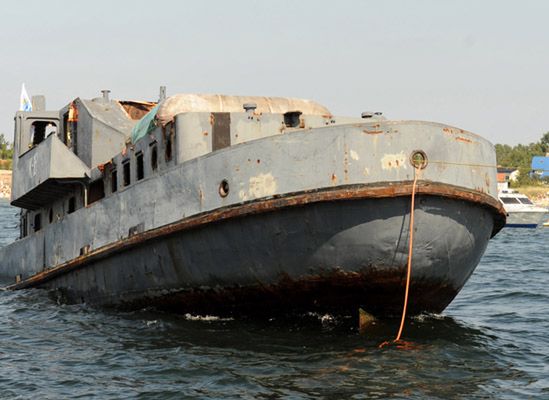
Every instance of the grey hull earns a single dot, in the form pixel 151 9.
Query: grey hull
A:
pixel 327 257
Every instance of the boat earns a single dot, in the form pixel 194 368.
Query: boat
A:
pixel 521 212
pixel 243 205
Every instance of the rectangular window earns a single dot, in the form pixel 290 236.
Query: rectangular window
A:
pixel 37 222
pixel 154 158
pixel 96 192
pixel 24 222
pixel 72 205
pixel 126 171
pixel 114 181
pixel 140 169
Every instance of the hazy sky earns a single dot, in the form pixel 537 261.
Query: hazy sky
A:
pixel 479 65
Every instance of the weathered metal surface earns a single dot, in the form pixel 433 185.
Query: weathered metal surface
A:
pixel 361 242
pixel 246 201
pixel 184 103
pixel 272 205
pixel 221 130
pixel 273 166
pixel 41 171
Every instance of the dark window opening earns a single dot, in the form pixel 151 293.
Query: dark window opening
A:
pixel 154 158
pixel 65 137
pixel 126 172
pixel 37 222
pixel 72 205
pixel 291 119
pixel 114 181
pixel 50 215
pixel 525 201
pixel 140 169
pixel 168 148
pixel 96 192
pixel 40 130
pixel 70 127
pixel 24 231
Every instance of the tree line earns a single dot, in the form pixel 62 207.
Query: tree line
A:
pixel 6 148
pixel 520 156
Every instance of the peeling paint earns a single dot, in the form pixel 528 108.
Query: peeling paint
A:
pixel 389 161
pixel 259 186
pixel 354 155
pixel 366 171
pixel 462 139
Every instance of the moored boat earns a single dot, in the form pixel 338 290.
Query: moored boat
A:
pixel 521 212
pixel 228 204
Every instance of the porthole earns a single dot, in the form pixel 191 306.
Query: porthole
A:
pixel 224 188
pixel 418 159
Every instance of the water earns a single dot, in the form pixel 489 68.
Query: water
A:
pixel 492 342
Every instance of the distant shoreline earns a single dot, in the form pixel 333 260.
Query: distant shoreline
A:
pixel 5 184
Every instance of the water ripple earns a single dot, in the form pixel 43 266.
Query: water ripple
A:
pixel 490 343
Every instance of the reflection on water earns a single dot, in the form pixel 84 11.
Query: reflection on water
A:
pixel 490 343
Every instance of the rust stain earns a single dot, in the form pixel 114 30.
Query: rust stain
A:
pixel 372 132
pixel 462 139
pixel 346 164
pixel 379 291
pixel 136 109
pixel 205 133
pixel 334 179
pixel 274 203
pixel 201 197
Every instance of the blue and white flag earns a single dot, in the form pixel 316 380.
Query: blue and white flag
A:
pixel 25 103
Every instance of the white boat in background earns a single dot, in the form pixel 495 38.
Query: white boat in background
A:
pixel 521 212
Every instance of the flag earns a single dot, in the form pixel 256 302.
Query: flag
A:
pixel 25 103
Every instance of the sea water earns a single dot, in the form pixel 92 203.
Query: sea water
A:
pixel 491 342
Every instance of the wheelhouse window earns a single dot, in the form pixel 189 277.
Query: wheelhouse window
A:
pixel 525 201
pixel 40 130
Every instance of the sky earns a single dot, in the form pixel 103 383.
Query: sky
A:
pixel 482 66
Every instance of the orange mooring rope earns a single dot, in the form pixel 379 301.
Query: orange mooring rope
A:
pixel 410 250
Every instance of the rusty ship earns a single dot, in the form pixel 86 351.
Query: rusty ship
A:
pixel 240 204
